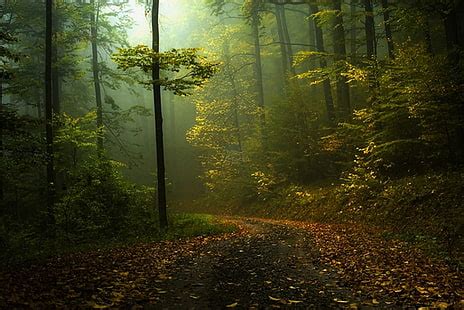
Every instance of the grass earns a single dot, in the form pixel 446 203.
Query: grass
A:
pixel 185 225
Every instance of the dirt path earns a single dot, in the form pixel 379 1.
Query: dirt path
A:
pixel 271 266
pixel 267 264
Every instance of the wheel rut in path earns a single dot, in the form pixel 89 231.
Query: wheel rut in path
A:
pixel 271 265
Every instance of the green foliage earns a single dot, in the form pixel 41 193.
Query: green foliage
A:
pixel 21 153
pixel 96 201
pixel 187 225
pixel 415 121
pixel 184 69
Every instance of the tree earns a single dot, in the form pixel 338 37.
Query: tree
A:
pixel 192 71
pixel 161 173
pixel 6 57
pixel 388 30
pixel 330 109
pixel 49 112
pixel 371 45
pixel 339 44
pixel 94 16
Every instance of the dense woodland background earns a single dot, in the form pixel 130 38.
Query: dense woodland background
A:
pixel 319 110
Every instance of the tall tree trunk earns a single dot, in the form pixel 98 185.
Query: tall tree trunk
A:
pixel 371 46
pixel 428 36
pixel 1 140
pixel 312 46
pixel 338 36
pixel 56 87
pixel 49 115
pixel 258 67
pixel 311 31
pixel 161 170
pixel 388 30
pixel 370 29
pixel 353 31
pixel 96 72
pixel 329 104
pixel 287 40
pixel 452 35
pixel 283 49
pixel 56 74
pixel 230 75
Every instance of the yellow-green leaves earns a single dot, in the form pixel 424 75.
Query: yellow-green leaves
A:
pixel 182 69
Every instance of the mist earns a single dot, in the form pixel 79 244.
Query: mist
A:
pixel 231 153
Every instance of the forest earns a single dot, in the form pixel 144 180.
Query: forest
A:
pixel 252 154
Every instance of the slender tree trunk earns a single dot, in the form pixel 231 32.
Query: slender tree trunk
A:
pixel 311 31
pixel 1 141
pixel 285 36
pixel 258 68
pixel 428 36
pixel 283 49
pixel 329 104
pixel 370 29
pixel 343 90
pixel 96 72
pixel 49 115
pixel 452 35
pixel 371 46
pixel 56 75
pixel 353 31
pixel 230 75
pixel 312 46
pixel 56 83
pixel 388 30
pixel 161 170
pixel 287 39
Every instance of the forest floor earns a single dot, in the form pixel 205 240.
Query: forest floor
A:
pixel 264 264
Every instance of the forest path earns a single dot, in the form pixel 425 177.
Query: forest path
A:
pixel 266 264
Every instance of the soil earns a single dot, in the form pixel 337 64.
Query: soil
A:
pixel 265 264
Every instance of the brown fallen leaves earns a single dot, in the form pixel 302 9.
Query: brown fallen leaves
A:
pixel 375 272
pixel 99 279
pixel 387 272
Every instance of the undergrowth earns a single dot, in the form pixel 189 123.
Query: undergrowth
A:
pixel 24 247
pixel 424 210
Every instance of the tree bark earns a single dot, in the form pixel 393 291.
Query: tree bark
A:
pixel 283 48
pixel 338 36
pixel 287 40
pixel 452 35
pixel 258 67
pixel 49 115
pixel 160 163
pixel 388 30
pixel 330 109
pixel 428 36
pixel 370 29
pixel 353 31
pixel 96 73
pixel 230 75
pixel 56 75
pixel 1 140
